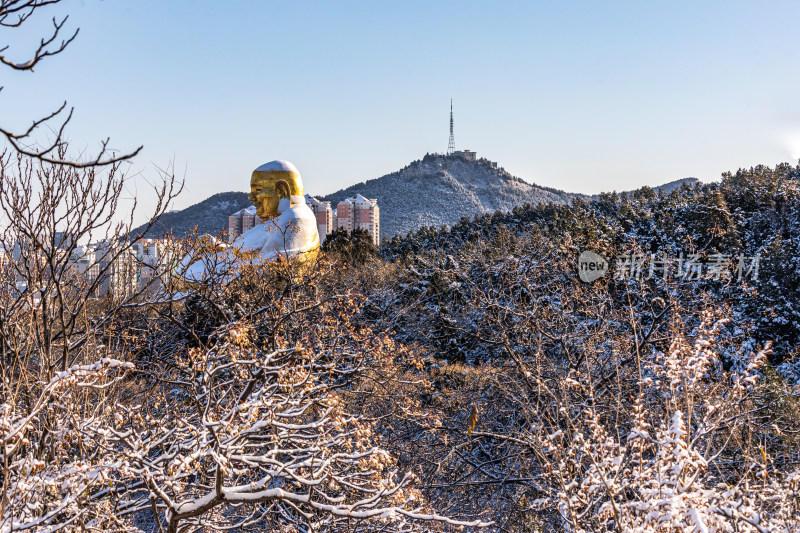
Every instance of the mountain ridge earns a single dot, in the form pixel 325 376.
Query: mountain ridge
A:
pixel 209 216
pixel 436 190
pixel 439 190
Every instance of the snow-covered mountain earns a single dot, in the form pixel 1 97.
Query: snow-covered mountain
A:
pixel 433 191
pixel 439 190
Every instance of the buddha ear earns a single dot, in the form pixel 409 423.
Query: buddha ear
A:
pixel 282 188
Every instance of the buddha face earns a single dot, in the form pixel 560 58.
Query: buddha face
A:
pixel 268 187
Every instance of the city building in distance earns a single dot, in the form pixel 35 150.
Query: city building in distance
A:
pixel 242 221
pixel 105 268
pixel 156 260
pixel 324 213
pixel 357 212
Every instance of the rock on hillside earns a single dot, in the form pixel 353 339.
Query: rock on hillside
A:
pixel 440 190
pixel 209 216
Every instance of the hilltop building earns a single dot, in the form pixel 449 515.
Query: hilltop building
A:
pixel 466 155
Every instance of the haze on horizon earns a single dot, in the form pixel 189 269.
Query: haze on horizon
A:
pixel 583 97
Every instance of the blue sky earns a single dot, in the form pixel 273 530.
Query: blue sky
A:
pixel 582 96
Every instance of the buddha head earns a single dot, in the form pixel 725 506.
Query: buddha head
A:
pixel 269 183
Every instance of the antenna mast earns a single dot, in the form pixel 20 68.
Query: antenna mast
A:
pixel 451 146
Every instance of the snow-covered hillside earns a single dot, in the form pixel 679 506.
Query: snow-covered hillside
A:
pixel 209 216
pixel 440 190
pixel 677 184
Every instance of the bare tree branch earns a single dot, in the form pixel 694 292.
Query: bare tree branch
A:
pixel 13 14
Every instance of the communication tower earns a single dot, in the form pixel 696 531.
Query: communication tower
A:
pixel 451 146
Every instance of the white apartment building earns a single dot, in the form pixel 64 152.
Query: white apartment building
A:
pixel 156 258
pixel 118 270
pixel 84 258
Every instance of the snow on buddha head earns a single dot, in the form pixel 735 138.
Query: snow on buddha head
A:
pixel 272 181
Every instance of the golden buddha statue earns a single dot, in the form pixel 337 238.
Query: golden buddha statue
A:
pixel 289 227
